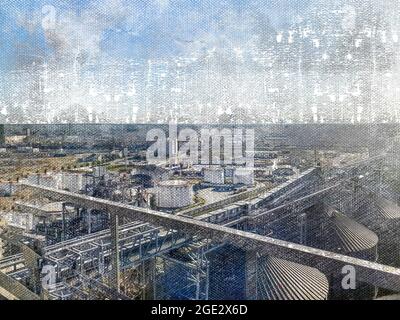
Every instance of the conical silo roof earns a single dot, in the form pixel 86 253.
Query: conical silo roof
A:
pixel 386 208
pixel 379 214
pixel 345 234
pixel 285 280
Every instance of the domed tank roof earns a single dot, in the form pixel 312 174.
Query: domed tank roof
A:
pixel 286 280
pixel 214 169
pixel 350 235
pixel 174 183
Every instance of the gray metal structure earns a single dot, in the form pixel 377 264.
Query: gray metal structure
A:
pixel 370 272
pixel 150 234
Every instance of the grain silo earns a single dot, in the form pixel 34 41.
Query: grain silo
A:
pixel 383 217
pixel 344 235
pixel 285 280
pixel 174 194
pixel 274 278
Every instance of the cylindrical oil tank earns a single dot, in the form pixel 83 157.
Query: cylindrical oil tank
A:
pixel 45 180
pixel 48 181
pixel 243 176
pixel 285 280
pixel 2 249
pixel 214 175
pixel 174 194
pixel 72 182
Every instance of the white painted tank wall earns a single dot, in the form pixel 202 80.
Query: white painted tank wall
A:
pixel 170 194
pixel 216 176
pixel 20 220
pixel 64 180
pixel 243 176
pixel 49 181
pixel 71 181
pixel 46 180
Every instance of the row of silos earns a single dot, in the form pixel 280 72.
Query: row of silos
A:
pixel 328 229
pixel 69 181
pixel 383 217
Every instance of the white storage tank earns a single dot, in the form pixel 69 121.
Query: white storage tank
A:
pixel 72 182
pixel 48 181
pixel 20 220
pixel 214 175
pixel 174 194
pixel 32 179
pixel 243 176
pixel 45 180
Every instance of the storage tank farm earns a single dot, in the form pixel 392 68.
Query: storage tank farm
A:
pixel 70 181
pixel 172 194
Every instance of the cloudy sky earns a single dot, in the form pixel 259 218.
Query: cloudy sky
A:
pixel 131 28
pixel 61 34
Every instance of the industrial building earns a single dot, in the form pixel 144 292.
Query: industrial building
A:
pixel 126 229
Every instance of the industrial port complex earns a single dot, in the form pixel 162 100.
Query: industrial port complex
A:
pixel 85 216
